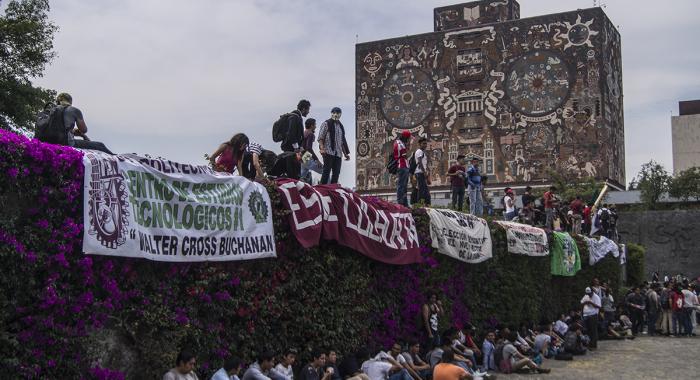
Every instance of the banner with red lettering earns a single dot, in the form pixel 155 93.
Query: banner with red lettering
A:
pixel 381 230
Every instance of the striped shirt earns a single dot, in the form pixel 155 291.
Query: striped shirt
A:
pixel 255 148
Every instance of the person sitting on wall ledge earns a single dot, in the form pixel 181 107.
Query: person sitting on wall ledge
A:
pixel 60 123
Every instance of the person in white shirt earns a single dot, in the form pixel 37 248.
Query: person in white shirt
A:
pixel 283 370
pixel 230 370
pixel 422 173
pixel 560 325
pixel 184 367
pixel 382 369
pixel 690 302
pixel 591 307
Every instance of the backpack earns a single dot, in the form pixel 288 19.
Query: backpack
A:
pixel 50 127
pixel 664 300
pixel 280 128
pixel 392 165
pixel 412 164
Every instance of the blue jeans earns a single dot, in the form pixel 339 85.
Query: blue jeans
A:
pixel 476 204
pixel 402 187
pixel 308 167
pixel 457 198
pixel 331 163
pixel 401 375
pixel 423 192
pixel 688 320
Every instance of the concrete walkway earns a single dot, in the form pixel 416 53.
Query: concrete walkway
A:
pixel 642 358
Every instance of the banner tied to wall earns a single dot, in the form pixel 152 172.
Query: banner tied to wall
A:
pixel 166 211
pixel 597 249
pixel 462 236
pixel 565 257
pixel 380 230
pixel 524 239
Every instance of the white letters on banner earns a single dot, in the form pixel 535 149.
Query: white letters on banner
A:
pixel 166 211
pixel 525 240
pixel 462 236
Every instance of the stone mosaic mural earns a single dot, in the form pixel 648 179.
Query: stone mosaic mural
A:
pixel 525 95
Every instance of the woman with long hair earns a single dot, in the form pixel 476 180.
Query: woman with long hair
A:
pixel 229 155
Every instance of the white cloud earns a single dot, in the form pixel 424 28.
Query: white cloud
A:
pixel 175 78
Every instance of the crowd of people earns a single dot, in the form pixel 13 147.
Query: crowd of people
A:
pixel 669 308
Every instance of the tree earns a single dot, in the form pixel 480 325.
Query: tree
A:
pixel 569 186
pixel 26 48
pixel 653 181
pixel 686 184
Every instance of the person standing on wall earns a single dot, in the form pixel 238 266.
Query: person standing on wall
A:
pixel 333 146
pixel 476 205
pixel 422 173
pixel 401 146
pixel 549 203
pixel 293 140
pixel 456 174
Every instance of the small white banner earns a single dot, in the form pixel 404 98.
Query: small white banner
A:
pixel 166 211
pixel 462 236
pixel 525 240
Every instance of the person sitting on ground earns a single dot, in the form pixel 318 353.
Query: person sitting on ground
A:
pixel 488 348
pixel 543 342
pixel 447 338
pixel 230 370
pixel 314 370
pixel 466 338
pixel 395 355
pixel 184 367
pixel 446 370
pixel 385 369
pixel 513 360
pixel 332 363
pixel 350 368
pixel 573 341
pixel 560 326
pixel 260 370
pixel 414 360
pixel 284 369
pixel 74 125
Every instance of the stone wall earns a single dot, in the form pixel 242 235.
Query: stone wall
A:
pixel 671 239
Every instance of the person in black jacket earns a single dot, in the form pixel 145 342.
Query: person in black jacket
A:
pixel 292 143
pixel 333 146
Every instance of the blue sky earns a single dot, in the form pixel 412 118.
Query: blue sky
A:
pixel 176 78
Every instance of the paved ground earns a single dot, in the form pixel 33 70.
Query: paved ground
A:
pixel 642 358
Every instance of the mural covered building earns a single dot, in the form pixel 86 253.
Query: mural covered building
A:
pixel 528 96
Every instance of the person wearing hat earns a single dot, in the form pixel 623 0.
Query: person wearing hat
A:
pixel 333 146
pixel 457 184
pixel 591 307
pixel 401 146
pixel 476 203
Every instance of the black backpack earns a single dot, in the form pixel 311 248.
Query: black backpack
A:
pixel 50 127
pixel 412 164
pixel 280 128
pixel 392 165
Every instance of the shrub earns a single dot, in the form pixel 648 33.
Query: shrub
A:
pixel 67 315
pixel 636 273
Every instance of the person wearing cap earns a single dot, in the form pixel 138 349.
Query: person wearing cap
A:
pixel 457 184
pixel 591 307
pixel 401 146
pixel 333 146
pixel 476 203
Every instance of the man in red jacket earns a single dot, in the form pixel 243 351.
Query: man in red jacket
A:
pixel 401 146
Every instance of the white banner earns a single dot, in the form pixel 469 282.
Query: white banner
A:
pixel 525 240
pixel 166 211
pixel 462 236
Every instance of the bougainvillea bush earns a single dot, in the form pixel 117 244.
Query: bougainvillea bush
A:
pixel 66 315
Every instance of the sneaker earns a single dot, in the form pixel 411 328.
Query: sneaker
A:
pixel 544 370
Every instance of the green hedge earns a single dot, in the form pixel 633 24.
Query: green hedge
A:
pixel 636 272
pixel 67 315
